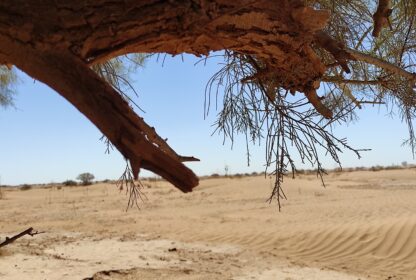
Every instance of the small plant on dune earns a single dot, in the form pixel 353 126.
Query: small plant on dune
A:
pixel 86 178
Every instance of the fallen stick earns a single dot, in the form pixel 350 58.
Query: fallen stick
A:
pixel 9 240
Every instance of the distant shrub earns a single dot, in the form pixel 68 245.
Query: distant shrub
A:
pixel 254 173
pixel 69 183
pixel 25 187
pixel 86 178
pixel 237 176
pixel 300 171
pixel 106 181
pixel 215 175
pixel 376 168
pixel 1 193
pixel 360 168
pixel 392 167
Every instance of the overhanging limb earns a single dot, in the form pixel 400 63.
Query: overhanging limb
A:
pixel 102 105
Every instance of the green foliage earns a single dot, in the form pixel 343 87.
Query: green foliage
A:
pixel 86 178
pixel 351 22
pixel 291 128
pixel 7 81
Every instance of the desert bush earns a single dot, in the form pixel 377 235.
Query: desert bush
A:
pixel 86 178
pixel 376 168
pixel 237 176
pixel 25 187
pixel 69 183
pixel 301 171
pixel 392 167
pixel 215 175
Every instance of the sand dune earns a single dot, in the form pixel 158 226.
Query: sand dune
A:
pixel 362 226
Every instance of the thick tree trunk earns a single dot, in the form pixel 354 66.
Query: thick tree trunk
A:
pixel 55 41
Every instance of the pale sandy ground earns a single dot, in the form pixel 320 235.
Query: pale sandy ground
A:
pixel 362 226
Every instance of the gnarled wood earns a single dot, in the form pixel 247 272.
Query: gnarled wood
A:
pixel 335 48
pixel 381 16
pixel 100 103
pixel 279 33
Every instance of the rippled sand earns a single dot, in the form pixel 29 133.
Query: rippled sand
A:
pixel 362 226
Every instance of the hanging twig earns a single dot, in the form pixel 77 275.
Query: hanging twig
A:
pixel 290 124
pixel 133 188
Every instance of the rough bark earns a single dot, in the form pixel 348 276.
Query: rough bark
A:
pixel 100 103
pixel 55 41
pixel 280 33
pixel 381 16
pixel 337 49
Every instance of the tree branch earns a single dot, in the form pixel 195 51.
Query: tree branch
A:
pixel 357 55
pixel 9 240
pixel 279 35
pixel 315 100
pixel 103 106
pixel 337 80
pixel 337 49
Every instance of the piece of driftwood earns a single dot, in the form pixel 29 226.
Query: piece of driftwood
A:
pixel 10 240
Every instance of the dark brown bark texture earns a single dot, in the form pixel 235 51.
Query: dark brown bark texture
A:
pixel 381 16
pixel 56 41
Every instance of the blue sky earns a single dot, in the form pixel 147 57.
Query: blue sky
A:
pixel 45 139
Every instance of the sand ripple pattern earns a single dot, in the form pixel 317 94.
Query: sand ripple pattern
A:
pixel 388 247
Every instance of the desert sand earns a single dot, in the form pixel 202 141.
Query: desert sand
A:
pixel 361 226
